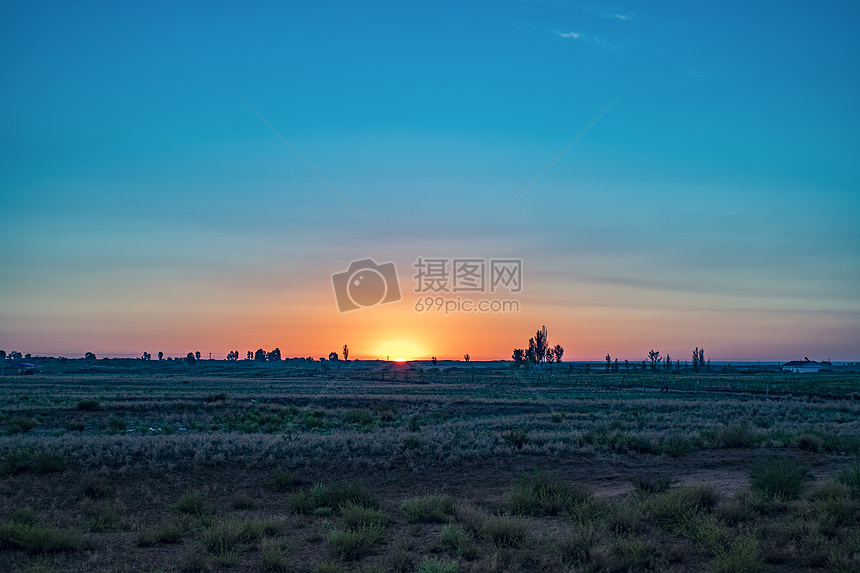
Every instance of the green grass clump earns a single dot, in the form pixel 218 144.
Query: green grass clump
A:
pixel 273 556
pixel 352 544
pixel 339 494
pixel 516 438
pixel 506 531
pixel 412 442
pixel 677 445
pixel 33 461
pixel 778 478
pixel 88 405
pixel 193 503
pixel 23 532
pixel 541 495
pixel 282 480
pixel 436 565
pixel 431 508
pixel 170 531
pixel 737 436
pixel 328 566
pixel 354 516
pixel 741 556
pixel 456 538
pixel 313 419
pixel 358 416
pixel 224 538
pixel 652 482
pixel 809 442
pixel 576 546
pixel 20 424
pixel 850 477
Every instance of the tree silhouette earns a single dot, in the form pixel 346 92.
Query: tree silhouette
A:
pixel 146 356
pixel 259 355
pixel 190 359
pixel 557 353
pixel 541 344
pixel 668 363
pixel 2 355
pixel 160 355
pixel 332 356
pixel 608 362
pixel 197 355
pixel 274 355
pixel 519 357
pixel 345 353
pixel 433 360
pixel 467 357
pixel 654 357
pixel 87 356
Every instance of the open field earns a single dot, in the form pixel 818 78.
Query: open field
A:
pixel 123 465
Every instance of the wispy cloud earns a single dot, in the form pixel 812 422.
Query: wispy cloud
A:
pixel 574 35
pixel 621 17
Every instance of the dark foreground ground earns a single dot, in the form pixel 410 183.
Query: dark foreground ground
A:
pixel 386 469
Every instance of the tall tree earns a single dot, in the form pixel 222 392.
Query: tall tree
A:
pixel 274 355
pixel 190 359
pixel 345 353
pixel 519 356
pixel 467 357
pixel 2 355
pixel 557 353
pixel 160 355
pixel 541 343
pixel 197 355
pixel 654 357
pixel 608 361
pixel 259 355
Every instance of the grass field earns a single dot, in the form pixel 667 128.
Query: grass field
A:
pixel 122 465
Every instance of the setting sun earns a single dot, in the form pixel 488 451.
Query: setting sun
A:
pixel 400 350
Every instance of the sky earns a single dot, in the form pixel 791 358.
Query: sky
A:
pixel 145 207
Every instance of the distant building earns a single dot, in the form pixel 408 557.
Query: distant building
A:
pixel 801 366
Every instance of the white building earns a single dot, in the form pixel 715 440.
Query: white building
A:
pixel 799 366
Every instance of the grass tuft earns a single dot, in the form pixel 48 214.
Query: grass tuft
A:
pixel 541 495
pixel 432 508
pixel 436 565
pixel 349 545
pixel 778 478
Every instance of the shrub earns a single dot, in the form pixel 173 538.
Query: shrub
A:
pixel 28 536
pixel 100 516
pixel 505 531
pixel 192 503
pixel 652 482
pixel 851 477
pixel 630 553
pixel 739 557
pixel 809 442
pixel 541 495
pixel 412 442
pixel 436 565
pixel 454 537
pixel 338 494
pixel 169 531
pixel 329 567
pixel 350 545
pixel 414 423
pixel 35 461
pixel 88 405
pixel 301 501
pixel 516 438
pixel 677 446
pixel 576 546
pixel 736 436
pixel 354 516
pixel 273 557
pixel 224 538
pixel 117 425
pixel 780 478
pixel 20 424
pixel 282 480
pixel 358 416
pixel 313 419
pixel 432 508
pixel 471 518
pixel 399 559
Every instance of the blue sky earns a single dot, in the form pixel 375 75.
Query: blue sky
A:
pixel 716 203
